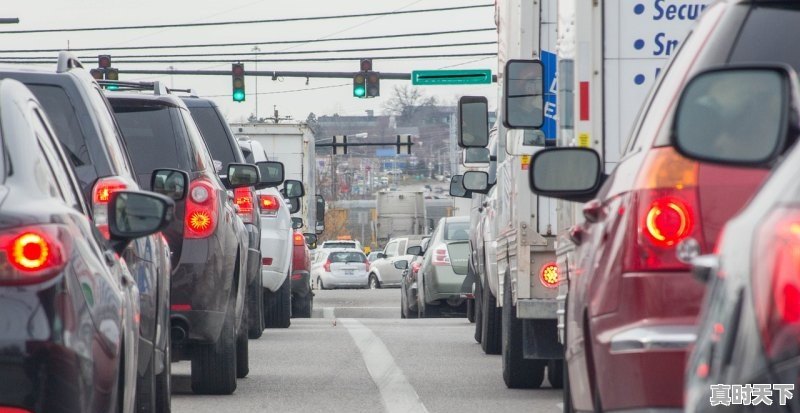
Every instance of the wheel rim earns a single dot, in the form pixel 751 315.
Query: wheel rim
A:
pixel 373 283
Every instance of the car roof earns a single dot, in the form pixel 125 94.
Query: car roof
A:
pixel 198 102
pixel 166 100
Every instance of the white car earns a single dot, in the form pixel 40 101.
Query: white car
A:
pixel 341 244
pixel 276 245
pixel 340 267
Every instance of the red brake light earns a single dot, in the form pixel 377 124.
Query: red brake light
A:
pixel 181 307
pixel 327 265
pixel 549 275
pixel 299 239
pixel 366 262
pixel 244 199
pixel 441 256
pixel 13 410
pixel 201 210
pixel 32 254
pixel 668 221
pixel 101 195
pixel 270 204
pixel 266 261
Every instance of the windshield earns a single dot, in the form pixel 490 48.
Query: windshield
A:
pixel 456 231
pixel 347 257
pixel 339 245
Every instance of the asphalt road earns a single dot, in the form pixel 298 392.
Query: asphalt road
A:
pixel 357 355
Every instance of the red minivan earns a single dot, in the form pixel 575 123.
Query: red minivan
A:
pixel 632 305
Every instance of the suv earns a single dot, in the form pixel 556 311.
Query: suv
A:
pixel 208 239
pixel 382 272
pixel 224 150
pixel 89 135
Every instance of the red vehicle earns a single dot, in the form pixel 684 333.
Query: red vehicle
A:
pixel 632 305
pixel 302 296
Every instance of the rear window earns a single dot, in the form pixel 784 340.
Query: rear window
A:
pixel 774 25
pixel 152 138
pixel 340 245
pixel 456 231
pixel 347 257
pixel 213 130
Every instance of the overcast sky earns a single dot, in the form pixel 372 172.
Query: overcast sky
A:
pixel 38 14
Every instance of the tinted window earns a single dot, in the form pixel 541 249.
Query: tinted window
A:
pixel 347 257
pixel 339 245
pixel 769 35
pixel 213 129
pixel 456 231
pixel 150 134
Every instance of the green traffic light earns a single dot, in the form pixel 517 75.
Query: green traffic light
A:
pixel 112 87
pixel 238 95
pixel 359 91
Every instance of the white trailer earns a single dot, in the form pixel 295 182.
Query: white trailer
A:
pixel 400 213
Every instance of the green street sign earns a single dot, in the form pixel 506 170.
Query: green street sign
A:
pixel 451 77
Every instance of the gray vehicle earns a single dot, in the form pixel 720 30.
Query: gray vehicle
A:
pixel 443 284
pixel 337 268
pixel 382 272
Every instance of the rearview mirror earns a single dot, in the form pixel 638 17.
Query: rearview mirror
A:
pixel 415 250
pixel 473 126
pixel 320 210
pixel 401 264
pixel 476 181
pixel 271 174
pixel 297 223
pixel 293 188
pixel 135 214
pixel 294 205
pixel 524 94
pixel 735 115
pixel 242 175
pixel 311 240
pixel 171 183
pixel 381 255
pixel 572 174
pixel 457 187
pixel 476 157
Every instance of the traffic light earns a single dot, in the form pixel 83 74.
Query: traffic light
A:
pixel 112 74
pixel 104 61
pixel 359 85
pixel 373 84
pixel 366 65
pixel 237 70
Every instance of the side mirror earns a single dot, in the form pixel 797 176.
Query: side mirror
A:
pixel 572 174
pixel 242 175
pixel 135 214
pixel 457 187
pixel 381 255
pixel 476 157
pixel 320 211
pixel 294 205
pixel 171 183
pixel 271 174
pixel 293 188
pixel 401 264
pixel 524 94
pixel 311 240
pixel 476 181
pixel 415 250
pixel 738 115
pixel 473 125
pixel 297 223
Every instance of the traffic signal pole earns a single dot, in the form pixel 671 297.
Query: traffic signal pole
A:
pixel 265 73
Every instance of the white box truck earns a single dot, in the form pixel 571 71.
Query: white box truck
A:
pixel 400 213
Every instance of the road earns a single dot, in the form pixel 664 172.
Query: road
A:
pixel 357 355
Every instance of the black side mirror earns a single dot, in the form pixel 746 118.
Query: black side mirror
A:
pixel 457 187
pixel 135 214
pixel 401 264
pixel 381 255
pixel 415 250
pixel 320 210
pixel 242 175
pixel 271 174
pixel 170 182
pixel 524 94
pixel 294 205
pixel 571 174
pixel 473 125
pixel 476 181
pixel 297 223
pixel 477 157
pixel 311 240
pixel 293 188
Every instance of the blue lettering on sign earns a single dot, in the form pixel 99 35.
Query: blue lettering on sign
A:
pixel 677 12
pixel 664 46
pixel 551 84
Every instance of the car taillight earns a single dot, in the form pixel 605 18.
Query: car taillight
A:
pixel 32 254
pixel 243 197
pixel 13 410
pixel 101 195
pixel 666 211
pixel 366 262
pixel 270 204
pixel 441 256
pixel 549 275
pixel 776 281
pixel 201 210
pixel 327 265
pixel 299 239
pixel 415 266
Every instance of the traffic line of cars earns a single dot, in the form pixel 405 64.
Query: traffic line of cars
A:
pixel 135 232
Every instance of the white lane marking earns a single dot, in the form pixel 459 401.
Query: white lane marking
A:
pixel 397 393
pixel 560 407
pixel 327 312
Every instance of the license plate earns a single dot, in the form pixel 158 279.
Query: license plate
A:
pixel 348 272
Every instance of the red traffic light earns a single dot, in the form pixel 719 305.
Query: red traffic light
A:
pixel 104 61
pixel 366 65
pixel 237 69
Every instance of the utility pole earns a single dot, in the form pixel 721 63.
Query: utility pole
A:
pixel 172 78
pixel 255 51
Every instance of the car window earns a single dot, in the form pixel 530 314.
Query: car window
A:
pixel 110 132
pixel 248 155
pixel 202 156
pixel 339 245
pixel 347 257
pixel 776 25
pixel 58 168
pixel 213 129
pixel 456 231
pixel 391 249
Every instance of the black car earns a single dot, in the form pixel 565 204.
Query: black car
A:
pixel 68 306
pixel 208 239
pixel 88 133
pixel 748 338
pixel 224 150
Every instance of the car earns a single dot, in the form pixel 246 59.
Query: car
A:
pixel 225 150
pixel 69 308
pixel 372 256
pixel 382 272
pixel 88 133
pixel 632 304
pixel 340 267
pixel 408 281
pixel 443 284
pixel 208 240
pixel 302 296
pixel 340 244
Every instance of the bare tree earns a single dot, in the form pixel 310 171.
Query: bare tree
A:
pixel 407 101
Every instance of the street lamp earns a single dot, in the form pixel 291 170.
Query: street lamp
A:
pixel 255 50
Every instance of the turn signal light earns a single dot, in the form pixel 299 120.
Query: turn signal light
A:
pixel 299 239
pixel 549 275
pixel 270 204
pixel 101 195
pixel 201 210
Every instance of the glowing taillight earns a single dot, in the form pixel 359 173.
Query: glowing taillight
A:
pixel 270 204
pixel 32 254
pixel 299 239
pixel 441 256
pixel 327 265
pixel 243 197
pixel 201 210
pixel 366 262
pixel 101 195
pixel 549 275
pixel 14 409
pixel 668 221
pixel 415 266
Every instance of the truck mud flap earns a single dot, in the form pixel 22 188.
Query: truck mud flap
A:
pixel 540 340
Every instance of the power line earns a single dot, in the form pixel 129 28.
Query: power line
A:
pixel 269 42
pixel 284 20
pixel 278 92
pixel 430 46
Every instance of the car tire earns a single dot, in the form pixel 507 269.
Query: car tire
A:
pixel 478 304
pixel 146 387
pixel 278 306
pixel 214 365
pixel 471 310
pixel 555 373
pixel 302 307
pixel 404 307
pixel 255 310
pixel 567 402
pixel 518 372
pixel 242 354
pixel 491 323
pixel 374 284
pixel 320 285
pixel 164 381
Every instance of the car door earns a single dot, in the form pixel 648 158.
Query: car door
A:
pixel 386 266
pixel 392 275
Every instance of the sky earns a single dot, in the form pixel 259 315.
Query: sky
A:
pixel 291 96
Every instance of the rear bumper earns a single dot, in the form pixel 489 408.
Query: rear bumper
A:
pixel 443 283
pixel 301 284
pixel 358 280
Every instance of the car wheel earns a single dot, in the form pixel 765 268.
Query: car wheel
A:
pixel 477 304
pixel 373 282
pixel 470 310
pixel 255 310
pixel 319 284
pixel 279 306
pixel 568 408
pixel 302 307
pixel 164 381
pixel 555 373
pixel 214 365
pixel 242 354
pixel 146 388
pixel 518 372
pixel 491 323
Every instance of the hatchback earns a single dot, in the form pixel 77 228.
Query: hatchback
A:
pixel 337 268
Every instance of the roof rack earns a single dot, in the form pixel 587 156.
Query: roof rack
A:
pixel 191 92
pixel 67 61
pixel 157 87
